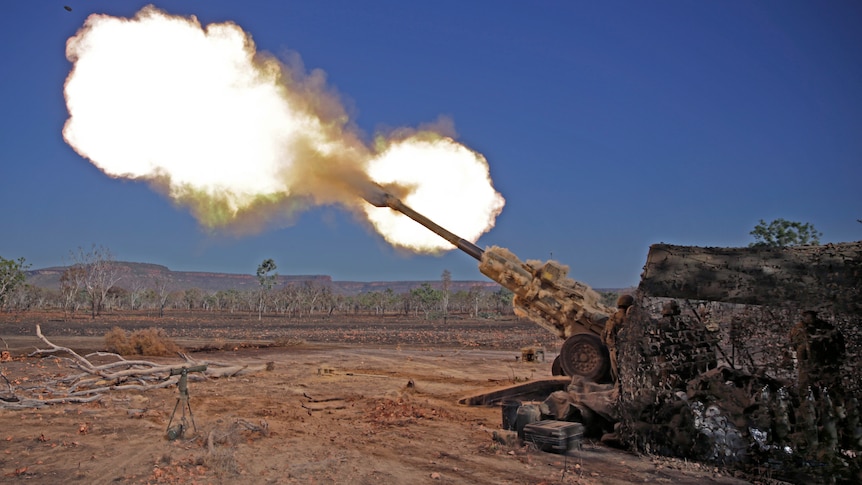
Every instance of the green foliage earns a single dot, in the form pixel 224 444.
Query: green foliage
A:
pixel 426 298
pixel 781 233
pixel 11 277
pixel 609 298
pixel 266 280
pixel 426 295
pixel 503 300
pixel 504 296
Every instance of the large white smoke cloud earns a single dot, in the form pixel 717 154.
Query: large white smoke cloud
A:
pixel 244 141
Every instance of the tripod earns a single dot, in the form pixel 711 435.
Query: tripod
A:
pixel 183 402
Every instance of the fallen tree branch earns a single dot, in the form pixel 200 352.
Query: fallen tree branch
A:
pixel 128 387
pixel 324 406
pixel 96 380
pixel 321 399
pixel 236 370
pixel 39 403
pixel 56 348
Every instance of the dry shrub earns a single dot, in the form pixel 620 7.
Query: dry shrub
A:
pixel 288 342
pixel 151 341
pixel 221 461
pixel 117 341
pixel 221 446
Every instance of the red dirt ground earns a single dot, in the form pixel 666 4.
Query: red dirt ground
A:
pixel 346 401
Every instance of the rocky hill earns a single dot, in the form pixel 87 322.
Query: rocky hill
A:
pixel 148 275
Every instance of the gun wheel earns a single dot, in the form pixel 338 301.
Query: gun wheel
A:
pixel 584 355
pixel 556 367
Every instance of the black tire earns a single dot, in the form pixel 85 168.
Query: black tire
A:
pixel 584 355
pixel 556 367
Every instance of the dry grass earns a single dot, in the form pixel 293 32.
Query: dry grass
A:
pixel 150 341
pixel 289 342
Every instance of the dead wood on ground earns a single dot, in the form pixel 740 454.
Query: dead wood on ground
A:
pixel 96 379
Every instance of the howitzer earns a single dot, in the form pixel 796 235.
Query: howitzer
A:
pixel 542 292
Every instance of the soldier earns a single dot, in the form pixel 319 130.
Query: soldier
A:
pixel 612 329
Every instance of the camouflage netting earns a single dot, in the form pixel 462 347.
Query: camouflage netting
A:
pixel 823 278
pixel 545 294
pixel 728 380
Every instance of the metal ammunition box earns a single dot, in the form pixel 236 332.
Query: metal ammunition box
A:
pixel 554 436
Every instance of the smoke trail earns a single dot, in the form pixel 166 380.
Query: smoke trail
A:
pixel 245 141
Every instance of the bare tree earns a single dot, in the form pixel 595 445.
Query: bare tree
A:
pixel 136 292
pixel 100 273
pixel 71 282
pixel 162 289
pixel 193 298
pixel 472 300
pixel 310 296
pixel 228 299
pixel 289 296
pixel 266 281
pixel 445 290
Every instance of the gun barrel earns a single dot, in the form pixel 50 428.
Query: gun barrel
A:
pixel 380 198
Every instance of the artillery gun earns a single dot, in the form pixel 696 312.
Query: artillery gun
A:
pixel 542 292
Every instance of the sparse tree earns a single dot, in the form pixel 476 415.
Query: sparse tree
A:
pixel 782 233
pixel 327 299
pixel 210 302
pixel 193 298
pixel 12 275
pixel 425 298
pixel 26 297
pixel 609 298
pixel 475 296
pixel 289 296
pixel 390 299
pixel 227 299
pixel 114 298
pixel 162 290
pixel 366 301
pixel 266 281
pixel 100 273
pixel 445 290
pixel 503 300
pixel 333 300
pixel 311 295
pixel 135 293
pixel 71 282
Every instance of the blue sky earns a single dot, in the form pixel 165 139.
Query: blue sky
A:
pixel 608 126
